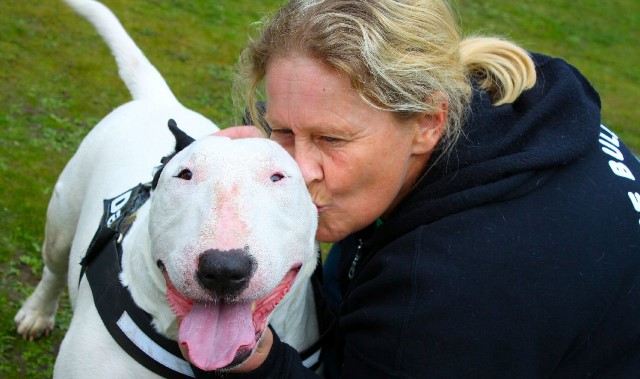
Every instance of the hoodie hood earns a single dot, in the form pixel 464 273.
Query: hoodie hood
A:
pixel 503 148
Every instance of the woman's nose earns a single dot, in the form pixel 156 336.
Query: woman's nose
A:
pixel 310 162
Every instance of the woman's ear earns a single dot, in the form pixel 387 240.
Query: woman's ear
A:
pixel 430 128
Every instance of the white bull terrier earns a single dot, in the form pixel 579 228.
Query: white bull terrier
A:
pixel 227 232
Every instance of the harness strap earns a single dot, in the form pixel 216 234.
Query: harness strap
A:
pixel 117 217
pixel 130 326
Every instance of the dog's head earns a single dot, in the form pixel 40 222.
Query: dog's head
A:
pixel 231 226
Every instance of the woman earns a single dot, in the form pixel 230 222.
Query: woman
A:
pixel 485 223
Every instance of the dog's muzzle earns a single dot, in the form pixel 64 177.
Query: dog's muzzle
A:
pixel 225 274
pixel 223 332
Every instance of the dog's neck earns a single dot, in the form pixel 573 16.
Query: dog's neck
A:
pixel 143 278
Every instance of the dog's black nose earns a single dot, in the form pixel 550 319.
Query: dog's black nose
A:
pixel 225 273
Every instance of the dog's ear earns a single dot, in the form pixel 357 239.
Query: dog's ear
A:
pixel 182 140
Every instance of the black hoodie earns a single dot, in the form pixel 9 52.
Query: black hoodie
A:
pixel 516 256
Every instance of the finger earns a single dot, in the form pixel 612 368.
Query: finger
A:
pixel 245 131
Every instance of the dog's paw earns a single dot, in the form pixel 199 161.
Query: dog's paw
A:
pixel 35 319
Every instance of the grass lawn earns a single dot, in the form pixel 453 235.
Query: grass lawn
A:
pixel 57 79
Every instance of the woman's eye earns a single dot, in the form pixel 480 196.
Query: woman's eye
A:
pixel 185 174
pixel 276 177
pixel 281 134
pixel 330 139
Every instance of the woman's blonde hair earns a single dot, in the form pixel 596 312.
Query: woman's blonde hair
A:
pixel 399 55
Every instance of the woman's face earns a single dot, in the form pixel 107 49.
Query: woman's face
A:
pixel 358 162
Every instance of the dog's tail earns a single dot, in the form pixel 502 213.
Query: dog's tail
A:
pixel 141 78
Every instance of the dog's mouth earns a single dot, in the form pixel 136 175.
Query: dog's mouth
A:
pixel 221 334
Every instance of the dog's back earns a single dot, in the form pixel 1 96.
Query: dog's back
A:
pixel 133 137
pixel 118 153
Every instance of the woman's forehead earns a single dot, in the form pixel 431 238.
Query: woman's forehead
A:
pixel 304 91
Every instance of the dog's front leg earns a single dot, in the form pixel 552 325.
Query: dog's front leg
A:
pixel 37 315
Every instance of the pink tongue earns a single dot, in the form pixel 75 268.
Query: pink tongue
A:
pixel 214 333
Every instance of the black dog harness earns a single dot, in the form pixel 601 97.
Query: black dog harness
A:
pixel 130 326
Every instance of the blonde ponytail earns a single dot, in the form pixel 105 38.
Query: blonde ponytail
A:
pixel 502 68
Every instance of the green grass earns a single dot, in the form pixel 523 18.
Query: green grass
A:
pixel 57 79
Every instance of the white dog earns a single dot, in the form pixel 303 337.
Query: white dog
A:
pixel 227 232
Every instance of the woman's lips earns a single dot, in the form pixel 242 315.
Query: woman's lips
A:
pixel 319 201
pixel 320 208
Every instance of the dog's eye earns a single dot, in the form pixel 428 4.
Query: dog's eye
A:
pixel 276 177
pixel 185 174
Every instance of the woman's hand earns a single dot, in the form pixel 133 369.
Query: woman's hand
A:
pixel 259 356
pixel 235 132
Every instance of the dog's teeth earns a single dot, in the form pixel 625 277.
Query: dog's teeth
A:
pixel 253 307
